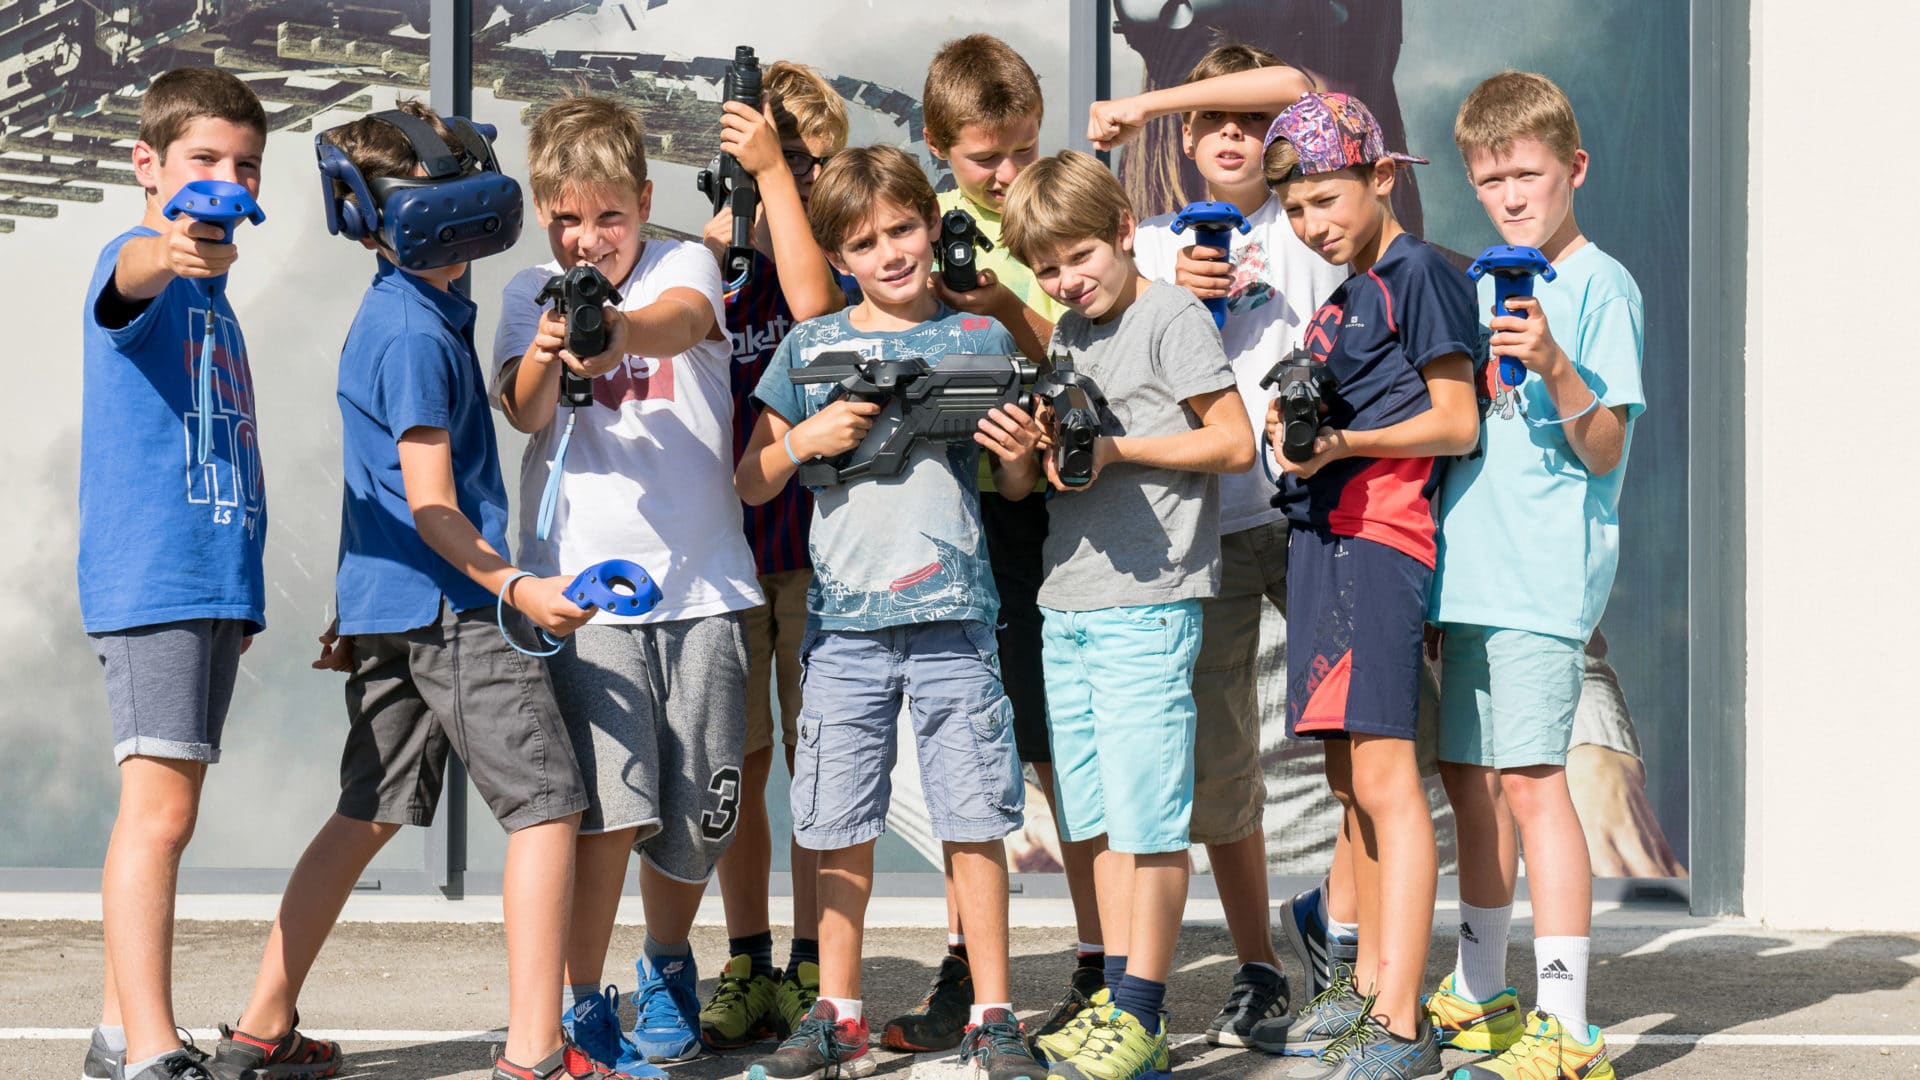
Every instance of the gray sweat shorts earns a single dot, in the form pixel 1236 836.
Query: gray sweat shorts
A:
pixel 658 717
pixel 169 685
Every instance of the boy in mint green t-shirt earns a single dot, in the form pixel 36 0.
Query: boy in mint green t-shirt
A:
pixel 1529 540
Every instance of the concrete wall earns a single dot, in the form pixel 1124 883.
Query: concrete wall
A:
pixel 1833 388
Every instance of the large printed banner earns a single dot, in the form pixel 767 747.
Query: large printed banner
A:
pixel 68 110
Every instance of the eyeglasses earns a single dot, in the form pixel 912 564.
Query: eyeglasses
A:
pixel 800 163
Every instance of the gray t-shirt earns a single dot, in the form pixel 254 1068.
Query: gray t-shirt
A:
pixel 1140 535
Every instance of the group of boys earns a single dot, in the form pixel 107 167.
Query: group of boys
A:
pixel 1104 633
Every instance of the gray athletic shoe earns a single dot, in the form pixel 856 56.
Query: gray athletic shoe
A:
pixel 1370 1052
pixel 186 1063
pixel 1258 994
pixel 102 1062
pixel 1331 1014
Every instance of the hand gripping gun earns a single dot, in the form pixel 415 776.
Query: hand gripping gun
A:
pixel 729 184
pixel 1211 223
pixel 1513 269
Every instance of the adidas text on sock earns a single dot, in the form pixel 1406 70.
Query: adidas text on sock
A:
pixel 1560 964
pixel 1480 969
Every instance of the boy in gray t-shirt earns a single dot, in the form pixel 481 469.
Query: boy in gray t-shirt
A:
pixel 1128 558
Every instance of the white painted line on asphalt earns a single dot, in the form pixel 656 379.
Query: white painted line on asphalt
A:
pixel 410 1035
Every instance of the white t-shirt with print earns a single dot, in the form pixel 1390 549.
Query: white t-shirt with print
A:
pixel 649 469
pixel 1278 283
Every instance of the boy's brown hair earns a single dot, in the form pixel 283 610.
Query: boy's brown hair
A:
pixel 1060 200
pixel 1229 58
pixel 586 141
pixel 804 105
pixel 380 150
pixel 977 79
pixel 179 97
pixel 1516 105
pixel 854 183
pixel 1281 159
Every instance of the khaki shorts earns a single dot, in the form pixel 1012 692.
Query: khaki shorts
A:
pixel 774 631
pixel 1229 787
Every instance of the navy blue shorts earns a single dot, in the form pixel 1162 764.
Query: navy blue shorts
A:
pixel 1355 612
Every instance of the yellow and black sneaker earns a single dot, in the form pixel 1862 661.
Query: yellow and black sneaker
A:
pixel 1478 1027
pixel 1546 1051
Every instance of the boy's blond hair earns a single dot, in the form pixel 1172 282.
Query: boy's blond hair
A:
pixel 381 151
pixel 1229 58
pixel 804 105
pixel 176 99
pixel 977 79
pixel 1516 105
pixel 1061 200
pixel 586 141
pixel 852 186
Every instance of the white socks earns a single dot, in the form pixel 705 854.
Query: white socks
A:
pixel 978 1013
pixel 1561 966
pixel 1481 970
pixel 847 1008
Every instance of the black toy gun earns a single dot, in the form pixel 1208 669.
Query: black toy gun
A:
pixel 1305 385
pixel 582 294
pixel 732 185
pixel 918 403
pixel 1077 406
pixel 959 235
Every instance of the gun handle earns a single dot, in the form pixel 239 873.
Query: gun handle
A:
pixel 1512 372
pixel 1223 240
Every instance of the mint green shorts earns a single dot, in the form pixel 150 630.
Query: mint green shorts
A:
pixel 1507 697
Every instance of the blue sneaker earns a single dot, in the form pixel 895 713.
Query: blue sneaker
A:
pixel 1319 953
pixel 668 1003
pixel 593 1025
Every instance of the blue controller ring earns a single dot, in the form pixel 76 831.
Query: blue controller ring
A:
pixel 1212 223
pixel 616 586
pixel 1513 269
pixel 215 202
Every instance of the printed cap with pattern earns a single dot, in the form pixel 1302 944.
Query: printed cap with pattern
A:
pixel 1332 132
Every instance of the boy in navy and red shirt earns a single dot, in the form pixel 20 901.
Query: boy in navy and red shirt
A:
pixel 1396 337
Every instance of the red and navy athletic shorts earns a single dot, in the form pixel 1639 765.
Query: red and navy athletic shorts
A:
pixel 1355 612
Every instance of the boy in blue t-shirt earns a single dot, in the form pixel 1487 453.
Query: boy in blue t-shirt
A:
pixel 171 588
pixel 1530 540
pixel 902 604
pixel 423 554
pixel 1396 338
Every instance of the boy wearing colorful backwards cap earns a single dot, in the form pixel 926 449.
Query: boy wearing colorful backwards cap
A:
pixel 1396 337
pixel 423 554
pixel 1129 557
pixel 1529 544
pixel 655 703
pixel 171 591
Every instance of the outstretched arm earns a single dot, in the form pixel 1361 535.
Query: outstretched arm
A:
pixel 1267 89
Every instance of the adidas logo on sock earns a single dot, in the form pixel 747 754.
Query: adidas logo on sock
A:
pixel 1467 934
pixel 1556 970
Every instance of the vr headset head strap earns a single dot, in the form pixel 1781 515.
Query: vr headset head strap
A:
pixel 436 157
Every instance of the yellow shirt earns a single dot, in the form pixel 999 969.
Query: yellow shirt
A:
pixel 1013 274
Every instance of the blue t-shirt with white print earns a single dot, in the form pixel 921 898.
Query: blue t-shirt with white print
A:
pixel 164 538
pixel 1529 538
pixel 890 551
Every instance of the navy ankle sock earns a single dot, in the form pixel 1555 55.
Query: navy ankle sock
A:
pixel 806 950
pixel 1116 970
pixel 758 946
pixel 1142 998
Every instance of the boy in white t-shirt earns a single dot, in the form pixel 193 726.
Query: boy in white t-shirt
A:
pixel 655 704
pixel 1272 283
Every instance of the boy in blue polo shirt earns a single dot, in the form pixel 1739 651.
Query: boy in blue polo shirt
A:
pixel 423 554
pixel 170 582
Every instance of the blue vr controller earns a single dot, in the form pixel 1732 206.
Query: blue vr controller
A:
pixel 618 586
pixel 1513 269
pixel 1211 223
pixel 214 202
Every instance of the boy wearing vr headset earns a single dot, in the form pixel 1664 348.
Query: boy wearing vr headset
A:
pixel 655 703
pixel 423 555
pixel 170 580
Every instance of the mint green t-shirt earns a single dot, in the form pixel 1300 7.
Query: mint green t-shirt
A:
pixel 1529 538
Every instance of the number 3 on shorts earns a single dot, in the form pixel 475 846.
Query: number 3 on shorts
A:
pixel 717 824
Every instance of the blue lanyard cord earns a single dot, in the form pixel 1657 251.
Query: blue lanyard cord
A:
pixel 1522 400
pixel 203 446
pixel 500 618
pixel 550 497
pixel 1266 456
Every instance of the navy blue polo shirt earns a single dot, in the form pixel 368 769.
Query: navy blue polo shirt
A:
pixel 1377 333
pixel 409 362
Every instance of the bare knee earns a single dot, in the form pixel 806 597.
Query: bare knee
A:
pixel 1534 792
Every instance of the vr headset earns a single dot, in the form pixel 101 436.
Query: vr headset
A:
pixel 464 208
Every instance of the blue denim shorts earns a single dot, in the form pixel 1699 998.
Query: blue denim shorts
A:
pixel 854 684
pixel 1120 714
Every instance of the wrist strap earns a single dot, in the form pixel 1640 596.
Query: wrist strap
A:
pixel 500 619
pixel 786 442
pixel 1591 405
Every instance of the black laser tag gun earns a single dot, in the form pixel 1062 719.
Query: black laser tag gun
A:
pixel 959 235
pixel 728 183
pixel 1305 385
pixel 582 294
pixel 918 403
pixel 1077 407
